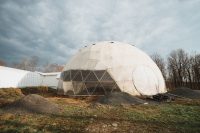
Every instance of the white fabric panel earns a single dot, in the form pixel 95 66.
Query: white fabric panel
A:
pixel 120 60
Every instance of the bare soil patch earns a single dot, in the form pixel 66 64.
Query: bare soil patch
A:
pixel 118 98
pixel 33 103
pixel 186 92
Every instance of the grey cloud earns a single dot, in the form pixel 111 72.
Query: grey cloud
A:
pixel 54 30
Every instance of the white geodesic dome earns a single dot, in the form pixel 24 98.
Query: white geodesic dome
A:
pixel 132 70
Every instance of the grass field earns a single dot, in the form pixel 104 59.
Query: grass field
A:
pixel 81 115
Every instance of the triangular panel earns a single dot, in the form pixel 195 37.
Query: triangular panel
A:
pixel 99 90
pixel 99 73
pixel 78 77
pixel 91 77
pixel 106 77
pixel 73 73
pixel 78 87
pixel 90 86
pixel 83 91
pixel 85 73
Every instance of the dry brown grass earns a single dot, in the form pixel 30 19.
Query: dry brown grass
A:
pixel 8 95
pixel 79 115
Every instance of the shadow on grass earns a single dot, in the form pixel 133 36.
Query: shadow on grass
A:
pixel 14 126
pixel 180 126
pixel 44 91
pixel 78 123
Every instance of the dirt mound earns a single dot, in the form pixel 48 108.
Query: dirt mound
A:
pixel 198 91
pixel 118 98
pixel 186 92
pixel 33 103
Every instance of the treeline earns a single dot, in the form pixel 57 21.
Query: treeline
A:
pixel 32 64
pixel 180 69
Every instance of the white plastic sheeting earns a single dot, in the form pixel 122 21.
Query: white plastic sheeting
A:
pixel 10 77
pixel 133 70
pixel 49 79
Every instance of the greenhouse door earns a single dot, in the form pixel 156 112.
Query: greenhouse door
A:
pixel 145 80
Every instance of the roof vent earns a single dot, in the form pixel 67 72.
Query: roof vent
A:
pixel 111 42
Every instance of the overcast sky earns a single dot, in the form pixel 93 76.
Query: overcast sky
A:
pixel 55 29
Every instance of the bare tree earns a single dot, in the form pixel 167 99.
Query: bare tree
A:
pixel 53 68
pixel 160 63
pixel 189 71
pixel 196 68
pixel 2 63
pixel 178 62
pixel 29 64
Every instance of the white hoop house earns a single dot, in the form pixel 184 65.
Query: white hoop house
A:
pixel 16 78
